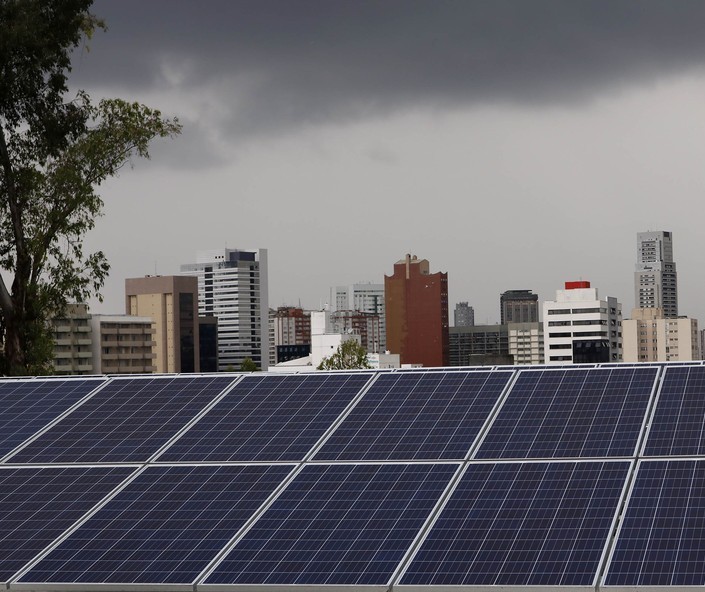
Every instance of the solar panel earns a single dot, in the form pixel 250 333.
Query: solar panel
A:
pixel 127 421
pixel 415 416
pixel 268 418
pixel 528 524
pixel 164 527
pixel 571 414
pixel 337 524
pixel 678 426
pixel 39 504
pixel 26 406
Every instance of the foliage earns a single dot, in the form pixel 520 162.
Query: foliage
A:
pixel 54 154
pixel 350 355
pixel 248 365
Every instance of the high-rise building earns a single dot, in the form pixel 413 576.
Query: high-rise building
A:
pixel 73 341
pixel 122 344
pixel 580 328
pixel 518 306
pixel 526 343
pixel 364 297
pixel 292 333
pixel 463 315
pixel 416 309
pixel 232 286
pixel 479 345
pixel 650 337
pixel 655 278
pixel 364 324
pixel 172 304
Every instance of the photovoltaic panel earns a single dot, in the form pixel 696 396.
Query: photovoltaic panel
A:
pixel 164 527
pixel 417 416
pixel 662 538
pixel 522 524
pixel 571 414
pixel 268 418
pixel 126 421
pixel 337 524
pixel 26 406
pixel 38 504
pixel 678 426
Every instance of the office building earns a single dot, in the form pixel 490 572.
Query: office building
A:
pixel 172 304
pixel 416 309
pixel 480 345
pixel 518 306
pixel 655 278
pixel 122 344
pixel 526 343
pixel 651 337
pixel 73 341
pixel 208 343
pixel 363 297
pixel 232 286
pixel 463 315
pixel 579 327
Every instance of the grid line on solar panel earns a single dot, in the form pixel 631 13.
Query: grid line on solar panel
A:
pixel 416 416
pixel 534 523
pixel 38 504
pixel 26 407
pixel 570 413
pixel 661 541
pixel 337 525
pixel 128 420
pixel 679 416
pixel 164 527
pixel 295 410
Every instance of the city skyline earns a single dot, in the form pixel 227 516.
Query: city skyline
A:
pixel 516 145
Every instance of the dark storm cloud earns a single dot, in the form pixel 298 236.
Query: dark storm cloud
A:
pixel 289 62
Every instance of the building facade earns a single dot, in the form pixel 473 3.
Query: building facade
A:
pixel 518 306
pixel 463 315
pixel 233 286
pixel 73 341
pixel 480 345
pixel 364 324
pixel 122 344
pixel 525 342
pixel 363 297
pixel 655 277
pixel 651 337
pixel 416 309
pixel 579 327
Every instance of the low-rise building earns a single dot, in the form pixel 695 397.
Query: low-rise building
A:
pixel 651 337
pixel 525 341
pixel 73 341
pixel 123 344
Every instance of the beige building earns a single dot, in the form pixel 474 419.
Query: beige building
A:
pixel 122 344
pixel 649 337
pixel 526 343
pixel 172 304
pixel 73 341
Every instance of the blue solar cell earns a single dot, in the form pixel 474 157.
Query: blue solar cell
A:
pixel 417 416
pixel 678 427
pixel 28 406
pixel 39 504
pixel 164 527
pixel 268 418
pixel 337 524
pixel 127 421
pixel 532 524
pixel 571 414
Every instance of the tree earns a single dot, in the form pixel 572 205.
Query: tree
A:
pixel 350 355
pixel 248 365
pixel 54 154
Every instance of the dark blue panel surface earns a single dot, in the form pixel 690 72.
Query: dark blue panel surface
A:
pixel 344 524
pixel 268 418
pixel 662 540
pixel 534 524
pixel 28 406
pixel 678 427
pixel 164 527
pixel 39 504
pixel 127 421
pixel 571 414
pixel 417 416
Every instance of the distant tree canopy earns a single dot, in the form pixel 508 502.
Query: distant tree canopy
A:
pixel 55 151
pixel 350 355
pixel 248 365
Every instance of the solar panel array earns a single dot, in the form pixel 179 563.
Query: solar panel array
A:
pixel 566 477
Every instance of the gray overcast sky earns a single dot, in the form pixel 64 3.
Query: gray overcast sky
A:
pixel 514 144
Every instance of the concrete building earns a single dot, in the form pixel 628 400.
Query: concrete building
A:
pixel 525 341
pixel 416 309
pixel 655 278
pixel 518 306
pixel 325 340
pixel 480 345
pixel 651 337
pixel 233 286
pixel 208 343
pixel 364 324
pixel 73 341
pixel 122 344
pixel 363 297
pixel 172 304
pixel 579 327
pixel 463 315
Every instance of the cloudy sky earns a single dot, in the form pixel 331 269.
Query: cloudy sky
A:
pixel 514 144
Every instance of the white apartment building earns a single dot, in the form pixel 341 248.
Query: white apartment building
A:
pixel 650 337
pixel 233 286
pixel 364 297
pixel 579 327
pixel 655 277
pixel 526 343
